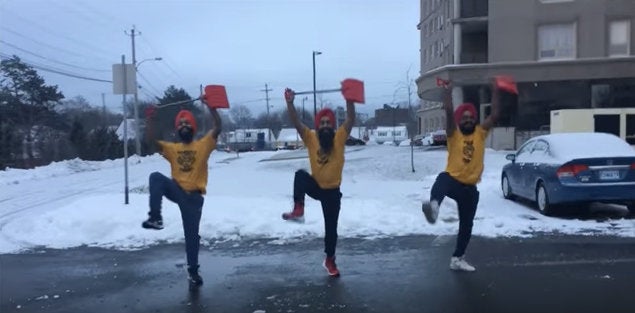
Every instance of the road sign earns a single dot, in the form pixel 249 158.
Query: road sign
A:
pixel 119 79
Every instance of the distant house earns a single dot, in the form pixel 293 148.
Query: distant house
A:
pixel 250 139
pixel 389 134
pixel 130 130
pixel 288 138
pixel 360 132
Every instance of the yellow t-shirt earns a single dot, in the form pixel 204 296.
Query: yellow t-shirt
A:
pixel 189 161
pixel 326 169
pixel 466 155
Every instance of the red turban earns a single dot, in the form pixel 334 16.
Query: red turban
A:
pixel 458 113
pixel 324 112
pixel 186 115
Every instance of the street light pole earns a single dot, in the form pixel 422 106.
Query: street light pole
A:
pixel 136 100
pixel 314 95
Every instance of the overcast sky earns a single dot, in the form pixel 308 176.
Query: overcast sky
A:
pixel 240 44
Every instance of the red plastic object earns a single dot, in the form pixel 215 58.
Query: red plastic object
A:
pixel 506 83
pixel 442 82
pixel 216 97
pixel 149 111
pixel 353 90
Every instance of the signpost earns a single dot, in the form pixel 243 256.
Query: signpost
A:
pixel 124 81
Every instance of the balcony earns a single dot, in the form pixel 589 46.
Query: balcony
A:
pixel 474 8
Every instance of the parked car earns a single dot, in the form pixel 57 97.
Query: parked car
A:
pixel 571 168
pixel 352 141
pixel 439 138
pixel 416 140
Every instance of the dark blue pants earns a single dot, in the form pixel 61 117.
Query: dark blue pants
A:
pixel 466 197
pixel 190 204
pixel 305 184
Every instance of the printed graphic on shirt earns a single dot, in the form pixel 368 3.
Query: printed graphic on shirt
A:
pixel 322 158
pixel 468 151
pixel 186 160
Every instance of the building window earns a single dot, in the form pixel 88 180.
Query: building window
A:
pixel 630 128
pixel 619 38
pixel 425 56
pixel 557 41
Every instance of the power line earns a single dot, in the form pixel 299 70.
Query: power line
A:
pixel 165 58
pixel 57 71
pixel 156 90
pixel 153 97
pixel 41 43
pixel 48 30
pixel 49 59
pixel 101 13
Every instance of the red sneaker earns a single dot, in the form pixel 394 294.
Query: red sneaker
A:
pixel 297 215
pixel 331 268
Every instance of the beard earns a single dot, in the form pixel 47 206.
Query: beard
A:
pixel 467 129
pixel 326 136
pixel 186 134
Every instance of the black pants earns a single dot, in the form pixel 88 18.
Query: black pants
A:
pixel 190 204
pixel 466 197
pixel 305 184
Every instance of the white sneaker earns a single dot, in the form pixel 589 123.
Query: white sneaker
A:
pixel 459 264
pixel 431 211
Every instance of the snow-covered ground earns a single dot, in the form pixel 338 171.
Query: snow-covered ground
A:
pixel 76 203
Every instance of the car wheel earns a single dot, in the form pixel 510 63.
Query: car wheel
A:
pixel 507 189
pixel 542 200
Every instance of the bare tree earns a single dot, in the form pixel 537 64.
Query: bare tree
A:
pixel 242 116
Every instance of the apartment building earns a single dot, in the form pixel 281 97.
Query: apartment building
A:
pixel 564 54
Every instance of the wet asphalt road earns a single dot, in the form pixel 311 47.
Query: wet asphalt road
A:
pixel 549 273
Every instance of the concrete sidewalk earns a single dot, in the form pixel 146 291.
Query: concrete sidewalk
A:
pixel 404 274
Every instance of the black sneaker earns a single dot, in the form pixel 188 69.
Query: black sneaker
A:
pixel 194 278
pixel 153 223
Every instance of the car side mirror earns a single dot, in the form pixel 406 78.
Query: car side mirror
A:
pixel 511 157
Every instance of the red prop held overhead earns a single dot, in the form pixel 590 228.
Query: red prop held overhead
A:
pixel 506 83
pixel 216 97
pixel 353 90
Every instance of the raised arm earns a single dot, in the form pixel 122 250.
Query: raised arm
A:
pixel 216 121
pixel 450 125
pixel 151 139
pixel 494 113
pixel 218 124
pixel 289 96
pixel 350 116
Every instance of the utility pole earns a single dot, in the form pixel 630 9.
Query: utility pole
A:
pixel 103 109
pixel 136 100
pixel 266 90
